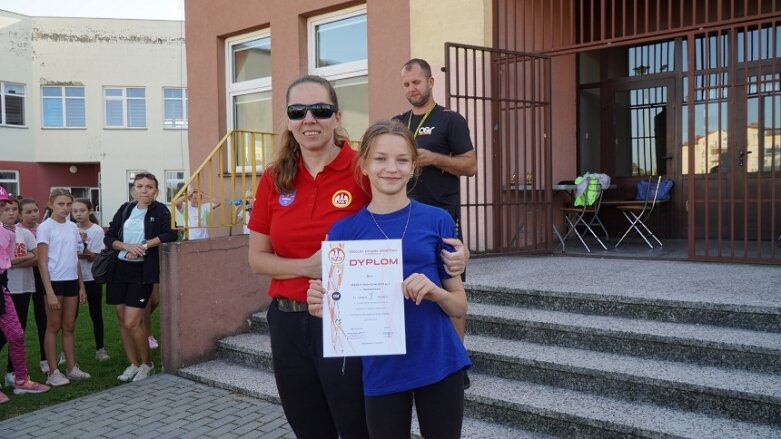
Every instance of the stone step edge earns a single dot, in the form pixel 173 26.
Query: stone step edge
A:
pixel 630 300
pixel 229 344
pixel 475 351
pixel 635 418
pixel 472 428
pixel 259 318
pixel 627 334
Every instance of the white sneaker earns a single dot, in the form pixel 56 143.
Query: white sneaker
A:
pixel 101 355
pixel 44 367
pixel 61 359
pixel 56 379
pixel 10 380
pixel 153 344
pixel 77 374
pixel 144 371
pixel 129 373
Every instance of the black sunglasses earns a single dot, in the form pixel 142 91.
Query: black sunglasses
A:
pixel 319 111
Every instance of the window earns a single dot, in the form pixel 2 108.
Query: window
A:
pixel 125 107
pixel 10 181
pixel 63 107
pixel 249 97
pixel 338 44
pixel 11 104
pixel 174 107
pixel 338 51
pixel 174 181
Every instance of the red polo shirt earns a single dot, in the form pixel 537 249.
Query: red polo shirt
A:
pixel 298 222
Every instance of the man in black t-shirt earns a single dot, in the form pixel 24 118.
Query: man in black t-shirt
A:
pixel 445 150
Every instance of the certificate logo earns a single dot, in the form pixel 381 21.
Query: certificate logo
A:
pixel 336 295
pixel 287 199
pixel 341 199
pixel 336 255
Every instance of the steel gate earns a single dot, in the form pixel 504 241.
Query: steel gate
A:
pixel 505 97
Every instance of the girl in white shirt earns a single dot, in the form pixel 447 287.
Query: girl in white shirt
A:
pixel 58 261
pixel 92 243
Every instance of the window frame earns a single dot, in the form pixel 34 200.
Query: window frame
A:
pixel 343 70
pixel 176 179
pixel 124 99
pixel 183 101
pixel 239 88
pixel 3 110
pixel 63 98
pixel 15 181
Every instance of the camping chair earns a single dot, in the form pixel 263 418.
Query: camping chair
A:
pixel 585 216
pixel 638 214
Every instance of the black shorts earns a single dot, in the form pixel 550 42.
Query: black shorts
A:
pixel 66 288
pixel 126 288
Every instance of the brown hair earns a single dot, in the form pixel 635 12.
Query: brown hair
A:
pixel 148 175
pixel 377 129
pixel 87 202
pixel 285 164
pixel 25 201
pixel 424 65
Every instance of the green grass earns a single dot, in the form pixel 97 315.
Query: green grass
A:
pixel 104 375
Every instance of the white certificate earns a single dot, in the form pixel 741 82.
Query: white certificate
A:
pixel 363 307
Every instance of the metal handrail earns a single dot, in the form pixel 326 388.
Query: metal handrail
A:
pixel 227 177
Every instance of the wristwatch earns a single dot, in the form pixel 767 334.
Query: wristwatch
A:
pixel 144 244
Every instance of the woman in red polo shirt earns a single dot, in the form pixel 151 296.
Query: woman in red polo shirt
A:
pixel 310 186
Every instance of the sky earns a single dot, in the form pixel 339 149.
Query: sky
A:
pixel 140 9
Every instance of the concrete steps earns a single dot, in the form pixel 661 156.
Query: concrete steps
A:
pixel 564 365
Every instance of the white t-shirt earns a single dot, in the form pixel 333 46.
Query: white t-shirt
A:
pixel 198 229
pixel 94 244
pixel 64 241
pixel 22 280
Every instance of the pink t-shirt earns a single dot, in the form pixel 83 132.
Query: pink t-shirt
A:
pixel 7 244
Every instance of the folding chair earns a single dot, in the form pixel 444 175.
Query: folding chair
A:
pixel 638 214
pixel 586 216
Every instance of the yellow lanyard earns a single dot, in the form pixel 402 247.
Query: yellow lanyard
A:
pixel 425 116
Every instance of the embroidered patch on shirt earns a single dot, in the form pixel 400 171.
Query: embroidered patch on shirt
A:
pixel 287 199
pixel 342 199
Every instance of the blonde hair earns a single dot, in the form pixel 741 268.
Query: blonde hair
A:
pixel 285 164
pixel 59 193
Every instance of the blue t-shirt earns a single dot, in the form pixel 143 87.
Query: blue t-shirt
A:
pixel 434 350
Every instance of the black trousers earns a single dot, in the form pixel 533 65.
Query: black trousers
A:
pixel 440 408
pixel 322 397
pixel 94 292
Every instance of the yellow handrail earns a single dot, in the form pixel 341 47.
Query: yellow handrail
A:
pixel 229 170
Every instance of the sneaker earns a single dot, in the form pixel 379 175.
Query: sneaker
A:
pixel 129 373
pixel 10 380
pixel 3 398
pixel 30 387
pixel 57 379
pixel 101 355
pixel 45 367
pixel 77 374
pixel 144 371
pixel 153 344
pixel 467 382
pixel 61 359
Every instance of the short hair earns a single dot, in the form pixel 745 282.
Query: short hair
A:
pixel 424 65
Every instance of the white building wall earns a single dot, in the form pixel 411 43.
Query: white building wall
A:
pixel 15 54
pixel 95 53
pixel 109 52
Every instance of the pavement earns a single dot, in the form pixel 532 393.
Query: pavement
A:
pixel 167 406
pixel 162 406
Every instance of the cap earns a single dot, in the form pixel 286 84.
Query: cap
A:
pixel 4 195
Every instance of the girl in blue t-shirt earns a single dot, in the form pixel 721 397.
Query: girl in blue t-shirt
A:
pixel 431 372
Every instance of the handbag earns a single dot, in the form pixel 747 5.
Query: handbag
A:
pixel 106 260
pixel 104 264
